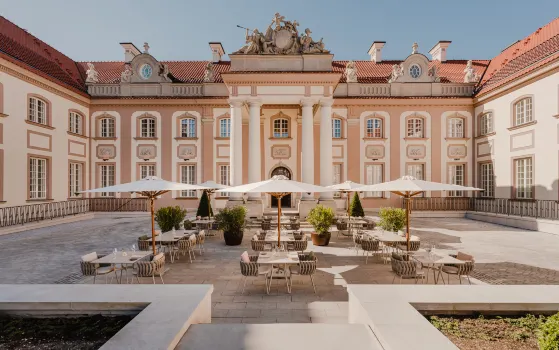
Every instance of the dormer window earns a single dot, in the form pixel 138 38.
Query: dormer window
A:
pixel 415 71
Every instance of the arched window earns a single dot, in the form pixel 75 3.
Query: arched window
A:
pixel 374 128
pixel 107 127
pixel 75 123
pixel 38 111
pixel 415 128
pixel 456 127
pixel 486 123
pixel 225 127
pixel 281 128
pixel 147 127
pixel 523 111
pixel 337 128
pixel 188 127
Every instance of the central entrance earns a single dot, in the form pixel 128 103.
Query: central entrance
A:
pixel 286 200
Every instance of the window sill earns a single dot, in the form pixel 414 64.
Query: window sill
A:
pixel 222 198
pixel 280 138
pixel 186 138
pixel 486 135
pixel 374 197
pixel 105 138
pixel 456 138
pixel 187 198
pixel 416 138
pixel 221 138
pixel 76 135
pixel 146 138
pixel 40 125
pixel 375 138
pixel 339 138
pixel 3 115
pixel 39 200
pixel 533 122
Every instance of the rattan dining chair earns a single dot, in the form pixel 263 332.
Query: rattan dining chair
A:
pixel 184 246
pixel 298 245
pixel 89 268
pixel 150 268
pixel 370 246
pixel 306 267
pixel 357 238
pixel 414 245
pixel 341 226
pixel 200 239
pixel 252 269
pixel 260 246
pixel 459 270
pixel 405 269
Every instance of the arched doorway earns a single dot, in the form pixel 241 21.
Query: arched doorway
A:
pixel 286 200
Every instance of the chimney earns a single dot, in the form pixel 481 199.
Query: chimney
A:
pixel 130 51
pixel 217 51
pixel 438 52
pixel 376 51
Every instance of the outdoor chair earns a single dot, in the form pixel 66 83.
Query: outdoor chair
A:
pixel 357 238
pixel 414 245
pixel 144 245
pixel 371 246
pixel 298 245
pixel 459 269
pixel 184 246
pixel 306 267
pixel 295 225
pixel 250 268
pixel 370 225
pixel 405 269
pixel 342 228
pixel 261 235
pixel 260 246
pixel 91 269
pixel 150 268
pixel 200 239
pixel 298 235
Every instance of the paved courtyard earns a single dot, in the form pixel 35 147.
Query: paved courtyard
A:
pixel 503 256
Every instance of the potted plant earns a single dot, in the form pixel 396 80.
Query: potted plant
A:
pixel 143 243
pixel 187 225
pixel 392 219
pixel 170 217
pixel 321 218
pixel 232 222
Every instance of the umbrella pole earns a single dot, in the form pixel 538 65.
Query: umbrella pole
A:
pixel 348 216
pixel 152 225
pixel 209 204
pixel 279 218
pixel 407 199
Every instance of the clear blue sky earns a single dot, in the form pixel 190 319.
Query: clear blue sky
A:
pixel 181 29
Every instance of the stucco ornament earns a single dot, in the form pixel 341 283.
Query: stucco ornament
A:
pixel 281 37
pixel 92 74
pixel 126 74
pixel 146 48
pixel 397 72
pixel 164 71
pixel 351 72
pixel 209 73
pixel 414 48
pixel 470 75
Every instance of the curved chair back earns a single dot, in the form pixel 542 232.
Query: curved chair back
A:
pixel 341 225
pixel 404 268
pixel 251 268
pixel 88 268
pixel 295 225
pixel 307 267
pixel 466 268
pixel 258 246
pixel 262 236
pixel 370 245
pixel 193 239
pixel 266 225
pixel 150 268
pixel 185 244
pixel 201 237
pixel 414 245
pixel 297 236
pixel 370 225
pixel 357 238
pixel 300 245
pixel 144 245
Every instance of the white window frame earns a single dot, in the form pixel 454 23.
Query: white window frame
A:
pixel 486 123
pixel 336 128
pixel 225 127
pixel 224 178
pixel 107 178
pixel 188 176
pixel 38 172
pixel 456 176
pixel 373 128
pixel 188 127
pixel 38 111
pixel 415 127
pixel 147 170
pixel 374 174
pixel 523 178
pixel 280 128
pixel 147 127
pixel 76 176
pixel 456 127
pixel 523 111
pixel 107 127
pixel 487 180
pixel 76 123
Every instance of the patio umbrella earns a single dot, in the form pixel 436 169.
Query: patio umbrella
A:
pixel 150 187
pixel 210 187
pixel 347 187
pixel 278 186
pixel 408 187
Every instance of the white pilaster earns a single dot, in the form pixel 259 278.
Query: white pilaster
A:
pixel 326 147
pixel 307 144
pixel 236 148
pixel 254 151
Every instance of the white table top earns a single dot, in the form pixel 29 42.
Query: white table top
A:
pixel 203 221
pixel 120 259
pixel 390 237
pixel 436 258
pixel 270 237
pixel 272 258
pixel 172 237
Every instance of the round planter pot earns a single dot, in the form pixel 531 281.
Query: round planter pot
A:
pixel 320 240
pixel 233 238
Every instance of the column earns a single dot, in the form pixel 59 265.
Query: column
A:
pixel 254 151
pixel 236 148
pixel 326 146
pixel 307 145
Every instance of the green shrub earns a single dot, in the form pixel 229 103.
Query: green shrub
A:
pixel 231 219
pixel 204 206
pixel 143 238
pixel 321 218
pixel 355 208
pixel 187 225
pixel 392 219
pixel 169 217
pixel 548 333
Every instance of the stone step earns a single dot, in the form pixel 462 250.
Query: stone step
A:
pixel 281 336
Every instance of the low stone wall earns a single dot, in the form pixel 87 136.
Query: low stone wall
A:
pixel 527 223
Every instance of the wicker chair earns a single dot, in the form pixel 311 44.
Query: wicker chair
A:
pixel 459 269
pixel 298 235
pixel 266 225
pixel 252 269
pixel 150 268
pixel 405 269
pixel 305 267
pixel 298 245
pixel 91 269
pixel 414 246
pixel 371 225
pixel 144 244
pixel 295 225
pixel 261 235
pixel 342 228
pixel 357 238
pixel 186 245
pixel 200 239
pixel 260 246
pixel 370 246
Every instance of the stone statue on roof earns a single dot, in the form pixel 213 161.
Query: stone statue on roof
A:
pixel 164 71
pixel 414 48
pixel 126 74
pixel 470 75
pixel 209 73
pixel 434 74
pixel 351 72
pixel 397 72
pixel 92 74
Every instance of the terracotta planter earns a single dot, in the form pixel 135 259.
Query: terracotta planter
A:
pixel 320 240
pixel 233 238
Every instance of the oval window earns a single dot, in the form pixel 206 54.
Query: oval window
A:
pixel 145 71
pixel 415 71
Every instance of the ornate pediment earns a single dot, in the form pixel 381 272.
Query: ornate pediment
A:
pixel 280 38
pixel 144 68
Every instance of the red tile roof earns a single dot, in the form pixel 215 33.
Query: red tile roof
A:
pixel 26 50
pixel 522 57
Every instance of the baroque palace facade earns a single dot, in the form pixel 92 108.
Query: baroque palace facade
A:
pixel 279 105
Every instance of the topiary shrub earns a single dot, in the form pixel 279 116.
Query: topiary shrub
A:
pixel 204 206
pixel 232 222
pixel 355 208
pixel 170 217
pixel 321 217
pixel 392 219
pixel 548 333
pixel 188 225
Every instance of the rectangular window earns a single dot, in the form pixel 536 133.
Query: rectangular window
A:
pixel 374 128
pixel 417 171
pixel 336 128
pixel 75 123
pixel 107 127
pixel 456 127
pixel 523 111
pixel 415 128
pixel 225 127
pixel 76 175
pixel 147 170
pixel 188 127
pixel 374 175
pixel 456 177
pixel 37 111
pixel 107 178
pixel 37 178
pixel 523 178
pixel 224 178
pixel 486 124
pixel 148 127
pixel 281 128
pixel 487 180
pixel 188 176
pixel 337 177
